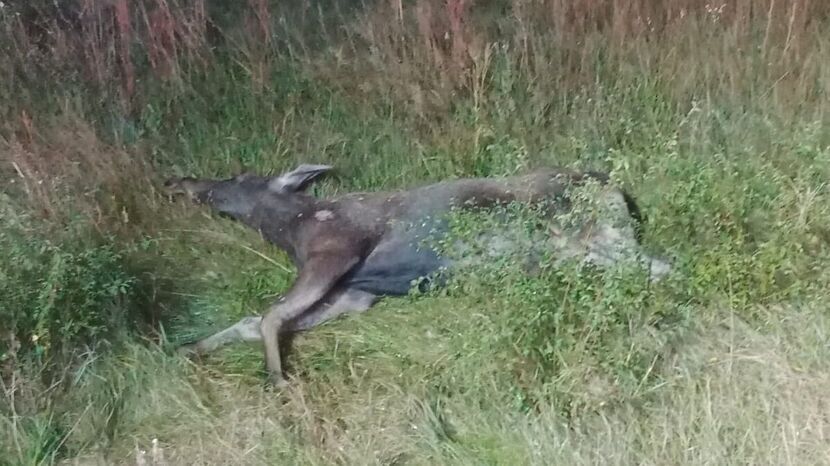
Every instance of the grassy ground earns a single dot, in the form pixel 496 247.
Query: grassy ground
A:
pixel 715 119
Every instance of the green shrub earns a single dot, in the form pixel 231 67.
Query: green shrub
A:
pixel 58 294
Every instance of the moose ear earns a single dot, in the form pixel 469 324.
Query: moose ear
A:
pixel 296 179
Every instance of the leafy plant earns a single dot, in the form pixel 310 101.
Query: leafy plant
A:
pixel 57 295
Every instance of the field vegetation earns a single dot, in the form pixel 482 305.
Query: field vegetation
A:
pixel 714 116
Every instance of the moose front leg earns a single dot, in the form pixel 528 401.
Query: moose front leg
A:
pixel 247 329
pixel 316 279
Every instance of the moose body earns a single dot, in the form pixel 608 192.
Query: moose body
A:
pixel 352 249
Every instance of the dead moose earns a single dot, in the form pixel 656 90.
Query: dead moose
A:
pixel 352 249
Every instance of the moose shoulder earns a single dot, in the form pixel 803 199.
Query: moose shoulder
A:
pixel 351 249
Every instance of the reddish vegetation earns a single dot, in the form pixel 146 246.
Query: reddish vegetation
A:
pixel 125 35
pixel 457 11
pixel 73 158
pixel 161 39
pixel 262 17
pixel 108 34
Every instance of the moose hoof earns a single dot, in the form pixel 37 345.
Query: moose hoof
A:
pixel 277 382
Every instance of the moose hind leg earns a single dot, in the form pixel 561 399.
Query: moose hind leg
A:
pixel 248 328
pixel 658 268
pixel 607 244
pixel 345 302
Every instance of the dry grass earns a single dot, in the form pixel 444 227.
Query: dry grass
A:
pixel 426 51
pixel 63 169
pixel 732 395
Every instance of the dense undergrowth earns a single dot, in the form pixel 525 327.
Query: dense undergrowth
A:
pixel 714 118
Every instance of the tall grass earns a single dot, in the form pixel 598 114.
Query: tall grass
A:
pixel 714 116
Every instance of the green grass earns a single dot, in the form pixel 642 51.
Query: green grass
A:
pixel 726 362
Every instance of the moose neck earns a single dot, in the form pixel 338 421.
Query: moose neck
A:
pixel 280 220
